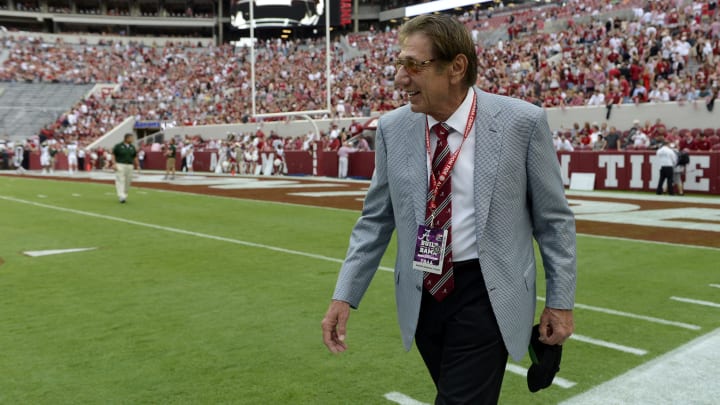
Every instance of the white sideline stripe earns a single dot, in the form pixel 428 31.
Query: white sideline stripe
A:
pixel 402 399
pixel 181 231
pixel 522 371
pixel 652 242
pixel 322 194
pixel 609 345
pixel 634 316
pixel 304 254
pixel 714 285
pixel 696 302
pixel 251 201
pixel 681 376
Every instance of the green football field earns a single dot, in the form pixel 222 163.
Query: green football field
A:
pixel 197 299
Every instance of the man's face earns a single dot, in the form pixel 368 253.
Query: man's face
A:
pixel 427 87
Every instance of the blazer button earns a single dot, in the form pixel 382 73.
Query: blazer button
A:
pixel 418 288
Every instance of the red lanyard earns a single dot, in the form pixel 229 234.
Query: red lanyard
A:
pixel 436 185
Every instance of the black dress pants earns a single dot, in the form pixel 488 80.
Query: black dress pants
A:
pixel 666 173
pixel 460 341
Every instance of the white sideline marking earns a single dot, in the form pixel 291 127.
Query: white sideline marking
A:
pixel 522 371
pixel 697 302
pixel 609 345
pixel 681 376
pixel 181 231
pixel 321 194
pixel 38 253
pixel 653 242
pixel 402 399
pixel 270 185
pixel 714 285
pixel 634 316
pixel 304 254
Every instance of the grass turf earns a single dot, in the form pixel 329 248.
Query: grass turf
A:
pixel 174 307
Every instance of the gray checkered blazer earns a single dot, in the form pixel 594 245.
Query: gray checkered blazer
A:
pixel 519 196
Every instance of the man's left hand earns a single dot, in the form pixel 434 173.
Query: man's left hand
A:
pixel 556 325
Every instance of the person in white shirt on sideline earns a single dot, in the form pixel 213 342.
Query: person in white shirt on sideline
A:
pixel 45 157
pixel 18 156
pixel 343 159
pixel 666 159
pixel 189 158
pixel 72 156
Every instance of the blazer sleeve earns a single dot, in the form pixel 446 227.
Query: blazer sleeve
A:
pixel 553 221
pixel 370 235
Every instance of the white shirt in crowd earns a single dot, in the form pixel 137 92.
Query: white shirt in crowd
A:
pixel 666 156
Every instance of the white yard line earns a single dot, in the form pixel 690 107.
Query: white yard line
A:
pixel 180 231
pixel 696 302
pixel 304 254
pixel 714 285
pixel 682 376
pixel 640 196
pixel 609 345
pixel 402 399
pixel 633 316
pixel 522 371
pixel 653 242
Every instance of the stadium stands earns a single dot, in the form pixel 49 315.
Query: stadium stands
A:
pixel 547 56
pixel 25 108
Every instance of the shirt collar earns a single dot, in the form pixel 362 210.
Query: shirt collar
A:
pixel 459 118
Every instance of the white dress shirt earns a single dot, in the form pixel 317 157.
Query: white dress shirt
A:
pixel 665 156
pixel 463 205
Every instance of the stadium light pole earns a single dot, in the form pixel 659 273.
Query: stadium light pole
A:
pixel 219 21
pixel 327 56
pixel 252 56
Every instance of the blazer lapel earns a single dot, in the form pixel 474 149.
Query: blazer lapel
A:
pixel 417 164
pixel 488 145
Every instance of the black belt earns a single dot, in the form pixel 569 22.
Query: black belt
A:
pixel 469 265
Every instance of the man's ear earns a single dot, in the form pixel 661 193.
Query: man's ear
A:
pixel 458 67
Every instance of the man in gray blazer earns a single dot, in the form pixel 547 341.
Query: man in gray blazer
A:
pixel 489 168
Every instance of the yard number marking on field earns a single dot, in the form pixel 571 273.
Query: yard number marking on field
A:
pixel 696 302
pixel 38 253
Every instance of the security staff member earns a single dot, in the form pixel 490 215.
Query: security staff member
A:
pixel 124 160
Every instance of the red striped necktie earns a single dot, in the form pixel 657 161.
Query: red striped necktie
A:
pixel 441 285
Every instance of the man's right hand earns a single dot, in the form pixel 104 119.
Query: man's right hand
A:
pixel 334 326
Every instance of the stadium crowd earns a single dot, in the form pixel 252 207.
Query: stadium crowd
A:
pixel 667 51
